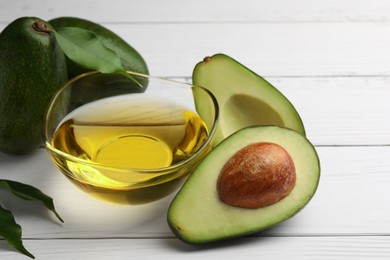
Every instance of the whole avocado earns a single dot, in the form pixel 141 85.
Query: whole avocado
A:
pixel 131 59
pixel 32 68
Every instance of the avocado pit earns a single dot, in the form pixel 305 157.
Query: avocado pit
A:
pixel 258 175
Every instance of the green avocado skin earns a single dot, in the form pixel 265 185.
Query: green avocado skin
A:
pixel 130 58
pixel 32 68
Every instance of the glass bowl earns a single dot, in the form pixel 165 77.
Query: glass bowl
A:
pixel 129 139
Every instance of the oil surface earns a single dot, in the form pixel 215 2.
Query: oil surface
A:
pixel 127 133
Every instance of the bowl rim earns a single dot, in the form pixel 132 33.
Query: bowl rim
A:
pixel 154 171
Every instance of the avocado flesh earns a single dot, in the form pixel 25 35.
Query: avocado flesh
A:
pixel 245 99
pixel 32 68
pixel 131 59
pixel 197 215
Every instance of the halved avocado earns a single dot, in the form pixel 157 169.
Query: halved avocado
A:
pixel 245 98
pixel 198 213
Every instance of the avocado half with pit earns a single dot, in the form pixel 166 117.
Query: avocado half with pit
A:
pixel 257 177
pixel 244 98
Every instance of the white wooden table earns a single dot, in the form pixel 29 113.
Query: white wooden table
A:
pixel 330 58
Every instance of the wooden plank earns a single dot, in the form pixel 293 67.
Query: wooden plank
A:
pixel 277 49
pixel 274 50
pixel 203 10
pixel 265 248
pixel 350 201
pixel 304 49
pixel 339 110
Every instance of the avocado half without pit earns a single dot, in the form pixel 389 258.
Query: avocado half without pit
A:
pixel 257 177
pixel 244 98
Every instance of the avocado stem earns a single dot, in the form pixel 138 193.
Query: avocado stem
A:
pixel 207 59
pixel 41 27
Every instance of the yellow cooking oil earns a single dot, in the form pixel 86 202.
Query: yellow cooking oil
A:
pixel 127 132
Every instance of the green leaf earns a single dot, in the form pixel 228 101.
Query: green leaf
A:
pixel 28 192
pixel 84 48
pixel 12 232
